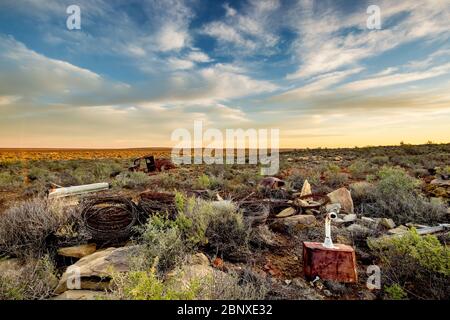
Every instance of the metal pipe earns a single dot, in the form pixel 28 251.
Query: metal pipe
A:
pixel 70 191
pixel 328 243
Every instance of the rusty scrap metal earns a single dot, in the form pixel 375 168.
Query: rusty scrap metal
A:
pixel 272 183
pixel 151 164
pixel 157 203
pixel 254 212
pixel 109 219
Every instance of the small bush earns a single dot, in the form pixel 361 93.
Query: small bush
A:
pixel 227 233
pixel 395 292
pixel 396 196
pixel 162 240
pixel 420 266
pixel 146 285
pixel 26 227
pixel 359 169
pixel 203 182
pixel 234 286
pixel 8 179
pixel 131 180
pixel 35 280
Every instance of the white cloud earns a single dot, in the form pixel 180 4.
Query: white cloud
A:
pixel 326 44
pixel 397 78
pixel 198 56
pixel 180 64
pixel 5 100
pixel 171 38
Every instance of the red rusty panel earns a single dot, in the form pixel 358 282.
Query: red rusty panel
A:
pixel 338 264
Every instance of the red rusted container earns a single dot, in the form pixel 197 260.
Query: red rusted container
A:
pixel 337 264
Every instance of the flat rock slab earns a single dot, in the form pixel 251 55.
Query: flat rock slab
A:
pixel 80 295
pixel 93 268
pixel 78 251
pixel 337 264
pixel 292 222
pixel 440 182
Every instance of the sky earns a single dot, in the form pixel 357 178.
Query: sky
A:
pixel 138 70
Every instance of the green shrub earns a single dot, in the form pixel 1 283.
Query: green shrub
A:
pixel 26 226
pixel 8 179
pixel 203 182
pixel 235 286
pixel 359 169
pixel 395 292
pixel 162 239
pixel 380 160
pixel 420 266
pixel 131 180
pixel 227 232
pixel 34 280
pixel 146 285
pixel 396 196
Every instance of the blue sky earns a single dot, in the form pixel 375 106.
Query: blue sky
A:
pixel 137 70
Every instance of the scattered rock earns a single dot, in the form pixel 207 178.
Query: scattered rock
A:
pixel 10 267
pixel 288 282
pixel 367 295
pixel 272 183
pixel 181 279
pixel 333 207
pixel 388 223
pixel 289 159
pixel 336 287
pixel 440 182
pixel 327 293
pixel 399 230
pixel 338 158
pixel 262 236
pixel 293 222
pixel 307 293
pixel 199 258
pixel 218 263
pixel 357 229
pixel 338 221
pixel 96 268
pixel 350 217
pixel 306 189
pixel 78 251
pixel 286 213
pixel 344 198
pixel 80 295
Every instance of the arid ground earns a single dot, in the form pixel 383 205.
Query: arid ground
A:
pixel 221 222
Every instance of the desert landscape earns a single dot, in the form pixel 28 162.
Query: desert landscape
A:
pixel 225 158
pixel 224 231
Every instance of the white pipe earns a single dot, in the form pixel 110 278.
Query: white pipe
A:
pixel 70 191
pixel 328 243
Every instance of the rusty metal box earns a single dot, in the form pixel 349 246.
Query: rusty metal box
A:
pixel 337 264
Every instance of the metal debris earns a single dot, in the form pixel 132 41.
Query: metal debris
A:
pixel 76 190
pixel 109 219
pixel 272 183
pixel 151 164
pixel 255 212
pixel 152 203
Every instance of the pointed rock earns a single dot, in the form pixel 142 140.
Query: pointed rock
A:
pixel 286 213
pixel 343 197
pixel 306 189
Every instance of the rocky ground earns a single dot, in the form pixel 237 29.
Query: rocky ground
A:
pixel 279 213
